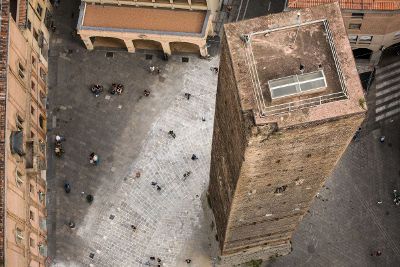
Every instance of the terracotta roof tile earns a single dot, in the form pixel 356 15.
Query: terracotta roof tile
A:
pixel 349 4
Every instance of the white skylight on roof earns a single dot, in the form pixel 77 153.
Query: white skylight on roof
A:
pixel 297 84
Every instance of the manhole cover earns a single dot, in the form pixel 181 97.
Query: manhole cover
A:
pixel 112 217
pixel 109 54
pixel 91 255
pixel 149 57
pixel 185 59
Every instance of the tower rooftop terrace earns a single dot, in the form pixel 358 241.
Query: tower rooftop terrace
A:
pixel 295 67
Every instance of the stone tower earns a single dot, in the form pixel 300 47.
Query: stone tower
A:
pixel 288 103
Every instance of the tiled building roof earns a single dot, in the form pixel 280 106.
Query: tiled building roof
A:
pixel 349 4
pixel 143 18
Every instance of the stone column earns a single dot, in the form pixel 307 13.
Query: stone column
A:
pixel 130 46
pixel 375 57
pixel 203 50
pixel 166 48
pixel 88 43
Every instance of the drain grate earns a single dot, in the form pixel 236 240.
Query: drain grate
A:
pixel 149 57
pixel 109 54
pixel 91 255
pixel 185 59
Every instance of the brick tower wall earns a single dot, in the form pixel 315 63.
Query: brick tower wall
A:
pixel 228 143
pixel 300 158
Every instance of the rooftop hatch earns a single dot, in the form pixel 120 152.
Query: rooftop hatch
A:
pixel 297 84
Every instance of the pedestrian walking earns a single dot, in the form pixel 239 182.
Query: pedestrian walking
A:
pixel 188 261
pixel 89 199
pixel 194 157
pixel 186 175
pixel 133 227
pixel 146 93
pixel 382 139
pixel 153 183
pixel 158 188
pixel 172 134
pixel 67 187
pixel 188 95
pixel 93 159
pixel 376 253
pixel 71 224
pixel 152 258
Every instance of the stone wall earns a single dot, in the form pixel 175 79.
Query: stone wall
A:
pixel 228 144
pixel 281 173
pixel 263 178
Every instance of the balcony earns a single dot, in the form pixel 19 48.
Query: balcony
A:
pixel 35 156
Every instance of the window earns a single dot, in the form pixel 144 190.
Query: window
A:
pixel 31 188
pixel 41 196
pixel 357 15
pixel 39 10
pixel 41 121
pixel 353 39
pixel 31 242
pixel 35 35
pixel 32 135
pixel 297 84
pixel 21 71
pixel 28 24
pixel 33 85
pixel 14 9
pixel 20 123
pixel 42 98
pixel 18 179
pixel 355 26
pixel 366 39
pixel 33 61
pixel 19 235
pixel 397 36
pixel 42 74
pixel 31 215
pixel 33 110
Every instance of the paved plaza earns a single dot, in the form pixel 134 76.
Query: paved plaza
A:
pixel 130 134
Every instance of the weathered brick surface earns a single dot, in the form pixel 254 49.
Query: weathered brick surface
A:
pixel 299 158
pixel 3 89
pixel 22 14
pixel 251 158
pixel 228 145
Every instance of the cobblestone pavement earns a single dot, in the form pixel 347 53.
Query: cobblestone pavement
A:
pixel 130 134
pixel 168 221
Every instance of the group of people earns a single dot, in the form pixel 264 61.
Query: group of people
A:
pixel 58 149
pixel 96 89
pixel 116 88
pixel 396 198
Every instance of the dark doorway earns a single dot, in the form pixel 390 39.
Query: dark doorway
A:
pixel 362 53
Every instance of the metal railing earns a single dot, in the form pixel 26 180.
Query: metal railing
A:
pixel 294 105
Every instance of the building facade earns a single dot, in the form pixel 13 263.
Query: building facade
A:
pixel 288 103
pixel 168 26
pixel 23 91
pixel 372 25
